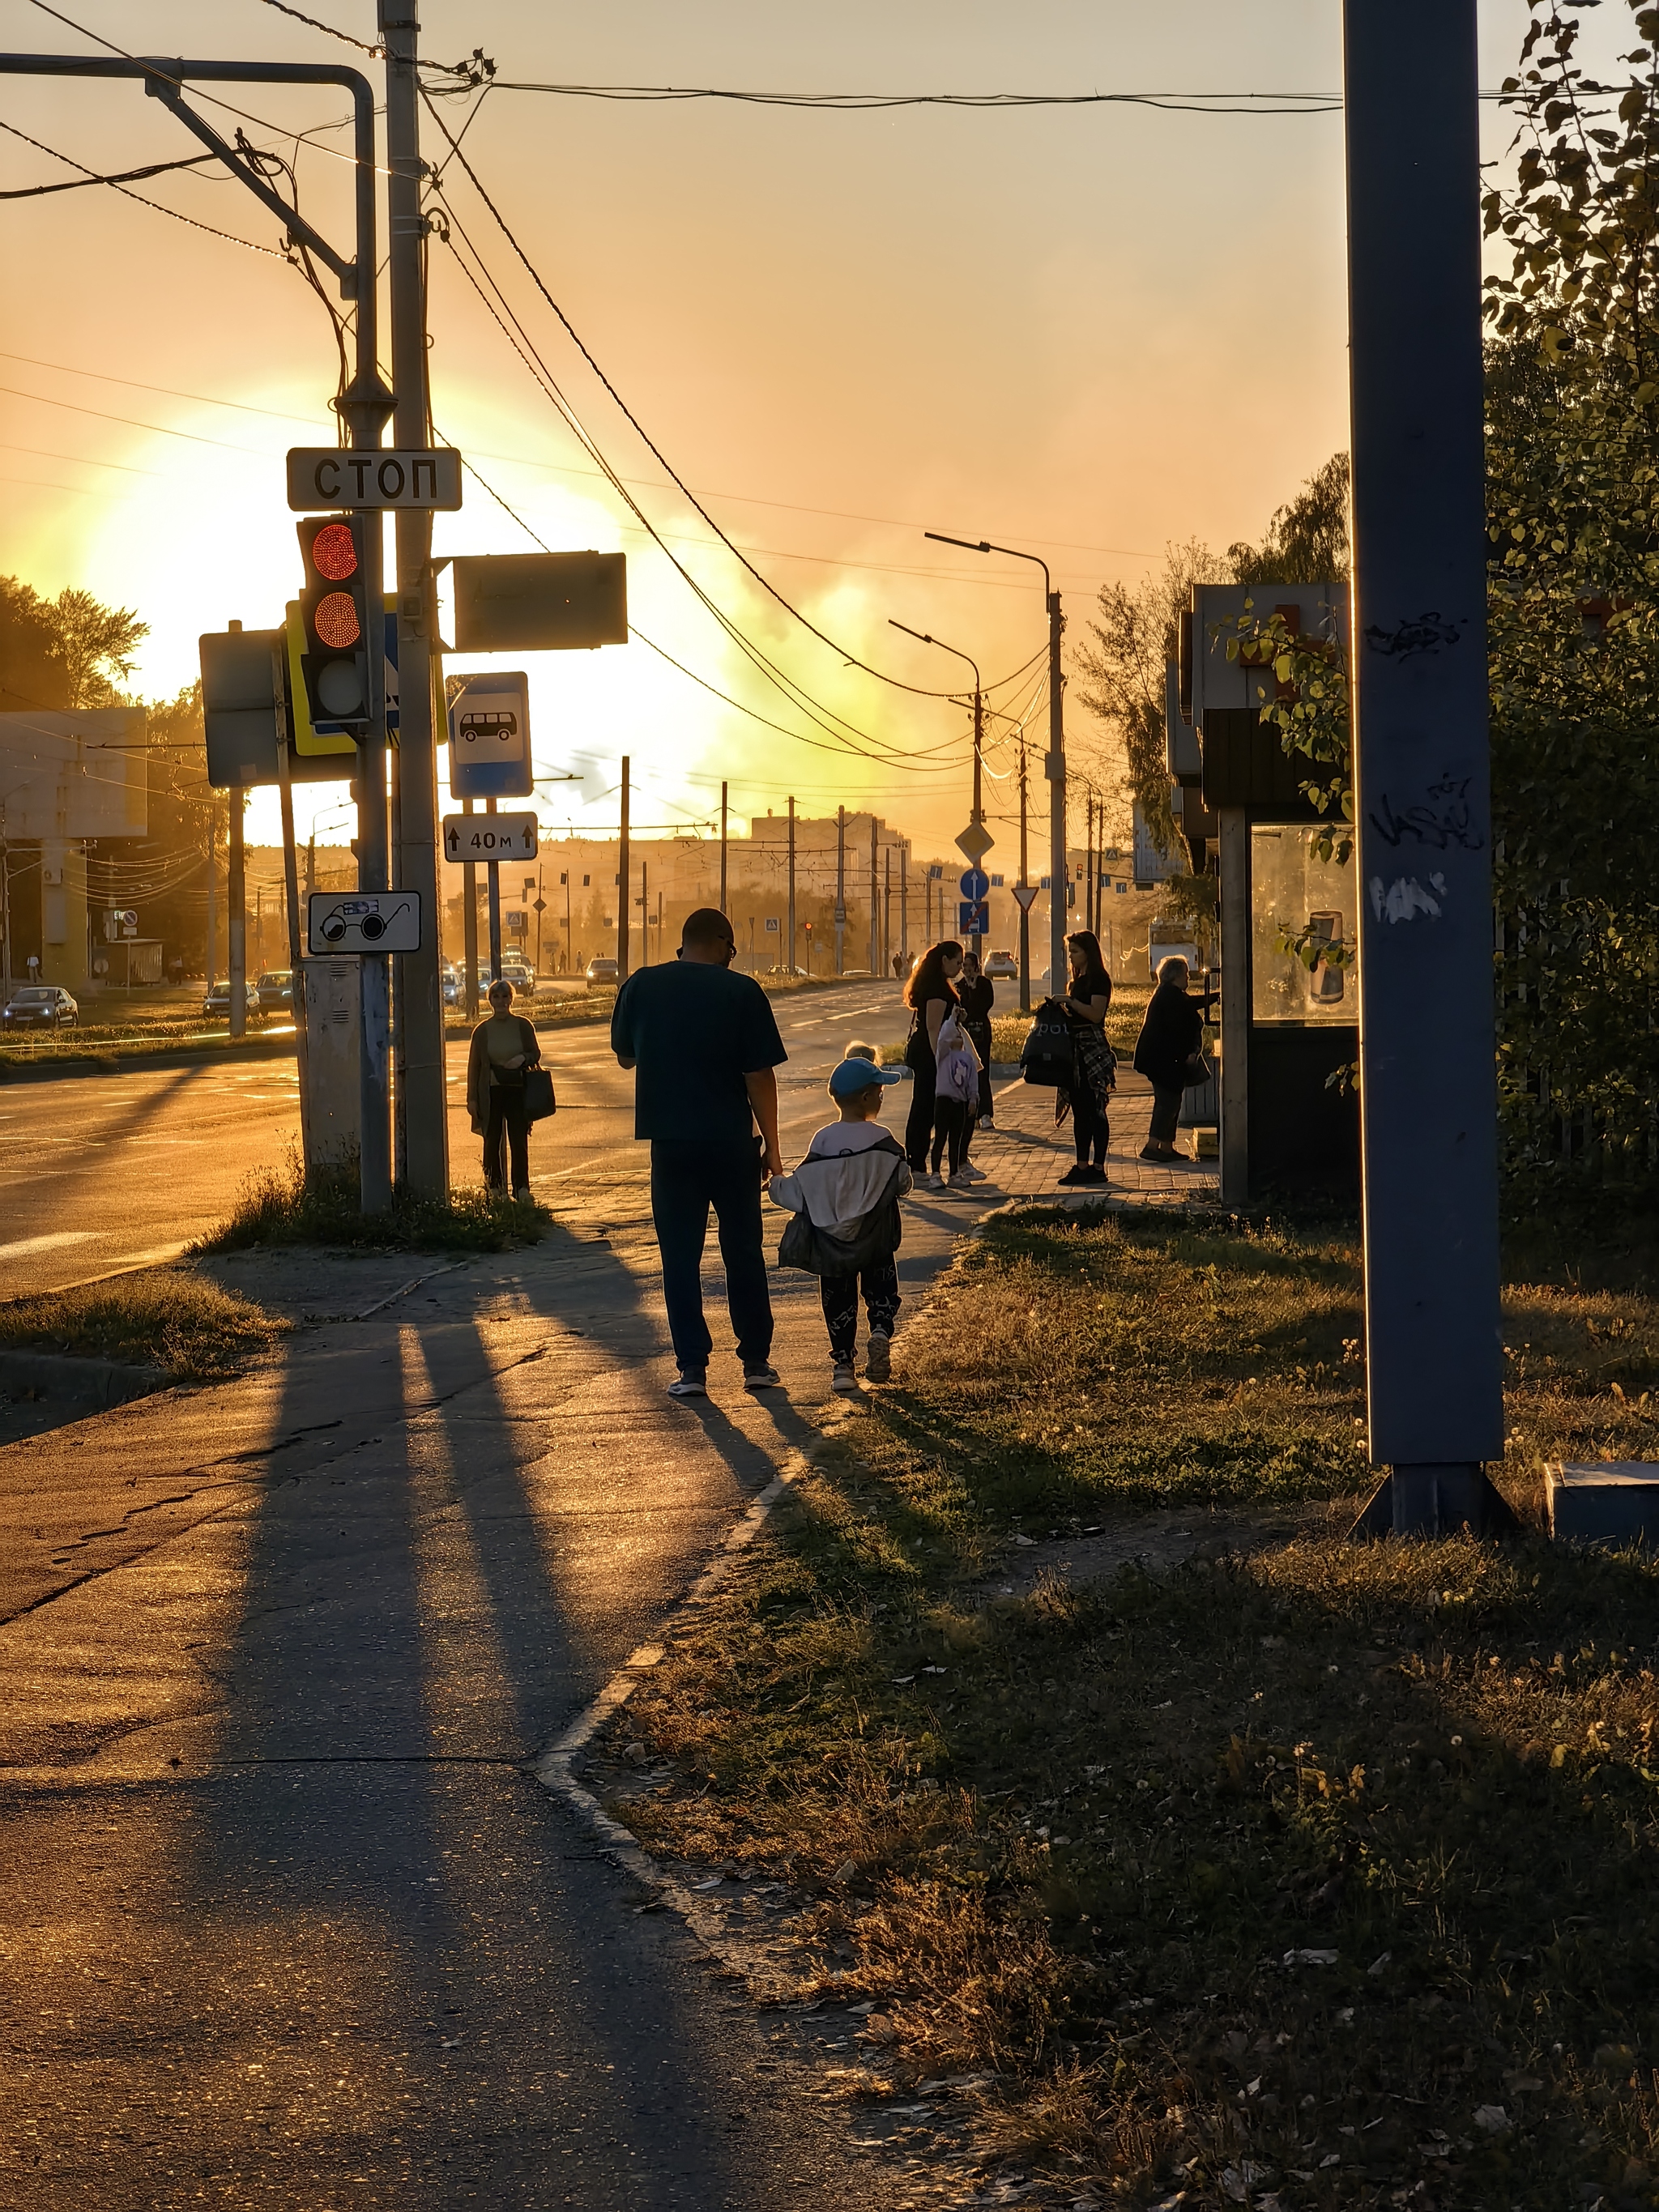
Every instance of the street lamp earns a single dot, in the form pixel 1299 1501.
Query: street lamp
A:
pixel 1054 764
pixel 979 731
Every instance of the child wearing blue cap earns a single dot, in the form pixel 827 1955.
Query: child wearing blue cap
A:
pixel 844 1197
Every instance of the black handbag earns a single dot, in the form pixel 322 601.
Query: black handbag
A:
pixel 1195 1070
pixel 539 1103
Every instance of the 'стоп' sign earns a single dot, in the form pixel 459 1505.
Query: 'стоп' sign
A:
pixel 365 477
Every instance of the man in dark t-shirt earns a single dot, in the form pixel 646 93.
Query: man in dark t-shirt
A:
pixel 704 1046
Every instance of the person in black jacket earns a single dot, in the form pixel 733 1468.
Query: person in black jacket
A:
pixel 978 995
pixel 1172 1031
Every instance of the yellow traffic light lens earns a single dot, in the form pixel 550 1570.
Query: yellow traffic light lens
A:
pixel 334 552
pixel 335 620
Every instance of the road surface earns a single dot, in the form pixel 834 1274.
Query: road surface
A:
pixel 100 1171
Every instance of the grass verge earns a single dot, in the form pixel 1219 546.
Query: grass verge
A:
pixel 281 1206
pixel 193 1331
pixel 1303 1875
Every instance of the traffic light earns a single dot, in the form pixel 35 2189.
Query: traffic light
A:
pixel 334 613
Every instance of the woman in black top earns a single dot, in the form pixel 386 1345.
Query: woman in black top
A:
pixel 1171 1033
pixel 930 994
pixel 978 995
pixel 1087 1004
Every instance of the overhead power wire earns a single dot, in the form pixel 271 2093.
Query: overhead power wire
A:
pixel 344 36
pixel 503 316
pixel 662 652
pixel 917 691
pixel 846 103
pixel 82 183
pixel 93 177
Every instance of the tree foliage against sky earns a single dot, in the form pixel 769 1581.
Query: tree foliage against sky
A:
pixel 63 653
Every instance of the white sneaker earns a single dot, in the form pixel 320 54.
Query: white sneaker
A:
pixel 878 1364
pixel 986 1122
pixel 969 1173
pixel 960 1180
pixel 844 1379
pixel 933 1182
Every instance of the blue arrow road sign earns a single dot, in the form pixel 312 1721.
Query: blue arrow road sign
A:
pixel 974 885
pixel 973 919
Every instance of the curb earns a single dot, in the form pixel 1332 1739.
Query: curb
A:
pixel 97 1384
pixel 51 1071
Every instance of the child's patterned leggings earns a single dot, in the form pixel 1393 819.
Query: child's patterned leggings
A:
pixel 840 1304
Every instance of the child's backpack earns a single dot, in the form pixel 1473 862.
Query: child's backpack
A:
pixel 1047 1055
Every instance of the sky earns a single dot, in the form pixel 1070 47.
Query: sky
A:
pixel 1057 328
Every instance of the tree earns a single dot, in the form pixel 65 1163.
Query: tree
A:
pixel 60 654
pixel 1307 539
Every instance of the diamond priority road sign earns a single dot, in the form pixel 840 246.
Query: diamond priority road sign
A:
pixel 370 477
pixel 363 922
pixel 975 842
pixel 490 837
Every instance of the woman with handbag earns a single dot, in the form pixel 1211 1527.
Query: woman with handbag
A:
pixel 1168 1054
pixel 503 1054
pixel 1087 1004
pixel 931 994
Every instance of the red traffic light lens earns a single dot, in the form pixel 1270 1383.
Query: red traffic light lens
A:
pixel 334 552
pixel 335 620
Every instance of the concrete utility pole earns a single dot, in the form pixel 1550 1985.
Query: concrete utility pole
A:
pixel 977 813
pixel 1025 880
pixel 236 911
pixel 841 890
pixel 424 1110
pixel 875 880
pixel 904 901
pixel 723 850
pixel 470 928
pixel 1428 1090
pixel 792 886
pixel 623 884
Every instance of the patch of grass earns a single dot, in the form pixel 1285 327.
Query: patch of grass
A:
pixel 1321 1873
pixel 193 1331
pixel 279 1206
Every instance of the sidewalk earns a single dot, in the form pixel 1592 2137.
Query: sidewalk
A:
pixel 1024 1156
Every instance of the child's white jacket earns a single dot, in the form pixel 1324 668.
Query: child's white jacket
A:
pixel 840 1182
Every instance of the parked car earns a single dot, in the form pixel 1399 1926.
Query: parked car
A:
pixel 452 983
pixel 275 990
pixel 603 972
pixel 517 971
pixel 1002 966
pixel 41 1006
pixel 216 1007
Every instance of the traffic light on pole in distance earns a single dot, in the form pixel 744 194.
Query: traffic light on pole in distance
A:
pixel 334 613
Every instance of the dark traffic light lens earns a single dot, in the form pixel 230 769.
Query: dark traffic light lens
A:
pixel 334 552
pixel 335 620
pixel 339 687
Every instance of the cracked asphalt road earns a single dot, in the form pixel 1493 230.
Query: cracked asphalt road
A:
pixel 283 1921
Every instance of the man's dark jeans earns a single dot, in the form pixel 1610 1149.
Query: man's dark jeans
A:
pixel 687 1177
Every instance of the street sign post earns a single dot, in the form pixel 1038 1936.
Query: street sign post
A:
pixel 489 837
pixel 489 737
pixel 362 922
pixel 371 476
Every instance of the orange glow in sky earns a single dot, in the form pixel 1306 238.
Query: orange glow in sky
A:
pixel 1083 332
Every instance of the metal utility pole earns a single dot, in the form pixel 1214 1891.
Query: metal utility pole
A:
pixel 213 900
pixel 1054 764
pixel 423 1108
pixel 623 875
pixel 840 889
pixel 296 972
pixel 492 875
pixel 792 886
pixel 236 912
pixel 977 817
pixel 470 928
pixel 723 850
pixel 886 909
pixel 1428 1090
pixel 1024 882
pixel 904 901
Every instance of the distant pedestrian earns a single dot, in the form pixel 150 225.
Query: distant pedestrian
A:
pixel 503 1046
pixel 1087 1004
pixel 930 994
pixel 847 1229
pixel 955 1096
pixel 1172 1037
pixel 705 1046
pixel 978 995
pixel 899 965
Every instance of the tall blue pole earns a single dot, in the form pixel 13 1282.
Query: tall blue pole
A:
pixel 1428 1092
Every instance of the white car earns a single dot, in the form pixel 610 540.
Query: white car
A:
pixel 1002 966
